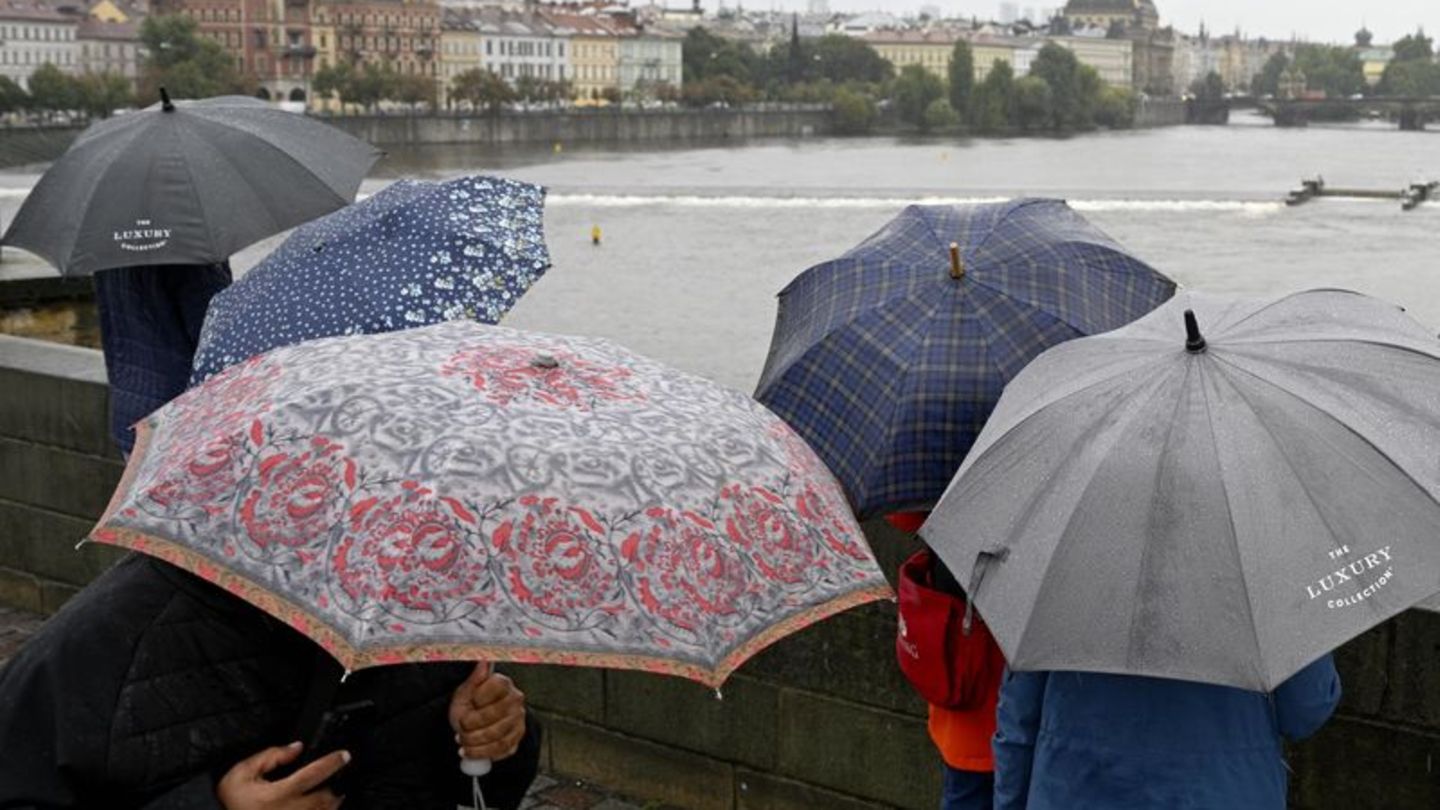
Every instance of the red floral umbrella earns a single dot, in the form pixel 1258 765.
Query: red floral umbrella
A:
pixel 471 492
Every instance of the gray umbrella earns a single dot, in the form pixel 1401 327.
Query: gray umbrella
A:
pixel 186 183
pixel 1224 507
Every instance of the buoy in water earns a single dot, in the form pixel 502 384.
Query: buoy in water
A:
pixel 559 148
pixel 595 235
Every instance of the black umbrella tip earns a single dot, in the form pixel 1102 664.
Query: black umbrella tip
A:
pixel 1194 342
pixel 165 104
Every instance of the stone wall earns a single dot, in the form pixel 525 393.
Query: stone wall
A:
pixel 1166 112
pixel 820 720
pixel 23 146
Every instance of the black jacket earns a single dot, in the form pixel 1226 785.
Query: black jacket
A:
pixel 151 683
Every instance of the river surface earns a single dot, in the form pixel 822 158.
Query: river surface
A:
pixel 697 240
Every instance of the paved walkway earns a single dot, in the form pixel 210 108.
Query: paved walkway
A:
pixel 548 792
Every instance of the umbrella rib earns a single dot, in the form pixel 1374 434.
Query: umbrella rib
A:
pixel 1254 627
pixel 90 200
pixel 1049 563
pixel 200 203
pixel 1332 417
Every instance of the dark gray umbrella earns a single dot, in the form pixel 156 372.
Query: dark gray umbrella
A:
pixel 1222 508
pixel 186 183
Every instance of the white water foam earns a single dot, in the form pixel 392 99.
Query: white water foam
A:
pixel 1252 208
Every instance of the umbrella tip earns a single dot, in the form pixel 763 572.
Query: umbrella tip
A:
pixel 1194 342
pixel 165 104
pixel 545 361
pixel 957 267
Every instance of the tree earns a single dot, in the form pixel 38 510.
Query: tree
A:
pixel 855 113
pixel 707 56
pixel 844 59
pixel 962 77
pixel 370 85
pixel 1267 81
pixel 724 90
pixel 103 93
pixel 1074 88
pixel 1414 47
pixel 1333 69
pixel 994 98
pixel 913 93
pixel 12 96
pixel 331 80
pixel 1034 104
pixel 1410 78
pixel 1210 88
pixel 183 62
pixel 51 90
pixel 481 88
pixel 940 115
pixel 1116 108
pixel 413 90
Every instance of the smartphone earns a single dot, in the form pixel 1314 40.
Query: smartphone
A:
pixel 343 727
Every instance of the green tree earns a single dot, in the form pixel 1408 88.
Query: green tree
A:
pixel 1267 81
pixel 941 116
pixel 706 56
pixel 1334 69
pixel 1034 104
pixel 962 77
pixel 844 59
pixel 52 90
pixel 725 90
pixel 101 94
pixel 413 90
pixel 1210 88
pixel 913 92
pixel 331 80
pixel 1116 108
pixel 1410 78
pixel 370 85
pixel 995 99
pixel 186 64
pixel 12 96
pixel 1074 88
pixel 1414 47
pixel 855 113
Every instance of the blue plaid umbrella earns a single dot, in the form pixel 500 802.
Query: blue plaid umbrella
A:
pixel 415 254
pixel 889 359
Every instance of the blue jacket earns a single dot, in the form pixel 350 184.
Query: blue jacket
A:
pixel 1085 741
pixel 150 320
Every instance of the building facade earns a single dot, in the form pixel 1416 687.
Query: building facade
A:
pixel 36 35
pixel 594 53
pixel 649 59
pixel 521 44
pixel 461 50
pixel 1113 59
pixel 109 47
pixel 930 49
pixel 1104 14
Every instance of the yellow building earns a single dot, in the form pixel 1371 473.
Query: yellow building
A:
pixel 929 49
pixel 108 11
pixel 1373 62
pixel 594 53
pixel 1113 59
pixel 460 51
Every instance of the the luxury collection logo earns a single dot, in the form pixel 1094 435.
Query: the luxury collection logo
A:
pixel 144 236
pixel 1358 578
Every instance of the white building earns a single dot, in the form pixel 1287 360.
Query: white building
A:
pixel 109 47
pixel 521 44
pixel 652 57
pixel 34 35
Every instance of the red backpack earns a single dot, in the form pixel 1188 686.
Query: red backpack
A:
pixel 951 665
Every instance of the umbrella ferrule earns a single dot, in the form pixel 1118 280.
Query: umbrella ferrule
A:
pixel 957 265
pixel 1194 341
pixel 166 105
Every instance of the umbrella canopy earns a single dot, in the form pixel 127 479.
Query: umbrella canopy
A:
pixel 889 358
pixel 1222 507
pixel 186 183
pixel 415 254
pixel 465 491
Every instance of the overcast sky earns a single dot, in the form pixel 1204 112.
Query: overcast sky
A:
pixel 1323 20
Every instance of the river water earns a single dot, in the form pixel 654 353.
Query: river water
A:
pixel 697 240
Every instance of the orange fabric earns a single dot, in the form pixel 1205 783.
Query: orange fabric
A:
pixel 963 737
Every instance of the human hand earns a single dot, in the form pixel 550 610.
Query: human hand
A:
pixel 245 787
pixel 487 712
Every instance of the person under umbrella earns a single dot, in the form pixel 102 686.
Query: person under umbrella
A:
pixel 154 203
pixel 1175 518
pixel 889 359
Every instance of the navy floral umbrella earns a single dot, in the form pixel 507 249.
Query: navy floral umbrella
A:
pixel 889 359
pixel 415 254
